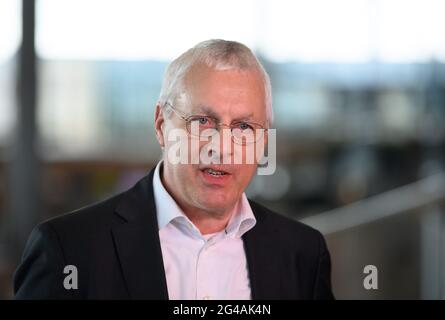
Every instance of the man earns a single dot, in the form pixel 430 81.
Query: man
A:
pixel 187 230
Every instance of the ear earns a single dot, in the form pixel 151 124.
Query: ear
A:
pixel 159 124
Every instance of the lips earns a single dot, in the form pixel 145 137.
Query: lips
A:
pixel 216 169
pixel 216 176
pixel 215 173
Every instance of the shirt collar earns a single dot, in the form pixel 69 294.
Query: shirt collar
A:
pixel 166 207
pixel 241 221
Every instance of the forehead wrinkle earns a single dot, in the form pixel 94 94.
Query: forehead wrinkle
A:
pixel 206 110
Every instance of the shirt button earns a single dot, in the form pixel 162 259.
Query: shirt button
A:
pixel 206 298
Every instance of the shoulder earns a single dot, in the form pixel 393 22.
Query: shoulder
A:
pixel 282 223
pixel 287 231
pixel 89 219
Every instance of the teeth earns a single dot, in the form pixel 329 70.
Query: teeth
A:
pixel 215 173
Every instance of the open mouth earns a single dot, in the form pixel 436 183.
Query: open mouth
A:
pixel 215 173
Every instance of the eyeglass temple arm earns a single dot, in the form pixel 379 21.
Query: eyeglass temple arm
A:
pixel 183 117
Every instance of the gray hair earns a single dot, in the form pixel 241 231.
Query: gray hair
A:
pixel 216 54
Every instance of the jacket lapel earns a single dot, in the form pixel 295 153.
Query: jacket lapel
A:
pixel 137 243
pixel 272 271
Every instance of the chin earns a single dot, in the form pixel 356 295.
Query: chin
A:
pixel 218 204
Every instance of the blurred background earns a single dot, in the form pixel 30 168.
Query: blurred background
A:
pixel 359 102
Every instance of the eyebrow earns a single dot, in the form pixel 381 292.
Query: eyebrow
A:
pixel 208 111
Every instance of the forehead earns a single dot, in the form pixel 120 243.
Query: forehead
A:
pixel 231 92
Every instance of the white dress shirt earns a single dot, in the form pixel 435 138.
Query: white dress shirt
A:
pixel 200 266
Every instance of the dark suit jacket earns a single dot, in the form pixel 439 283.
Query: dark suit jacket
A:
pixel 116 248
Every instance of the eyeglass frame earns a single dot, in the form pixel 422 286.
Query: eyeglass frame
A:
pixel 218 124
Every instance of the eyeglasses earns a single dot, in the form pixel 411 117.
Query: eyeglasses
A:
pixel 201 126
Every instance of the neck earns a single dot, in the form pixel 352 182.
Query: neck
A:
pixel 207 222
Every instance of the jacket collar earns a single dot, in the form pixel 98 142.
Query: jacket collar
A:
pixel 138 245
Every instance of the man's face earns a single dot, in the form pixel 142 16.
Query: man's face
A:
pixel 228 96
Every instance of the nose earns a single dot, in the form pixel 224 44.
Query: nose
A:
pixel 220 146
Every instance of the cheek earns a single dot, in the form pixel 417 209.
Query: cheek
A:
pixel 183 174
pixel 245 175
pixel 191 177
